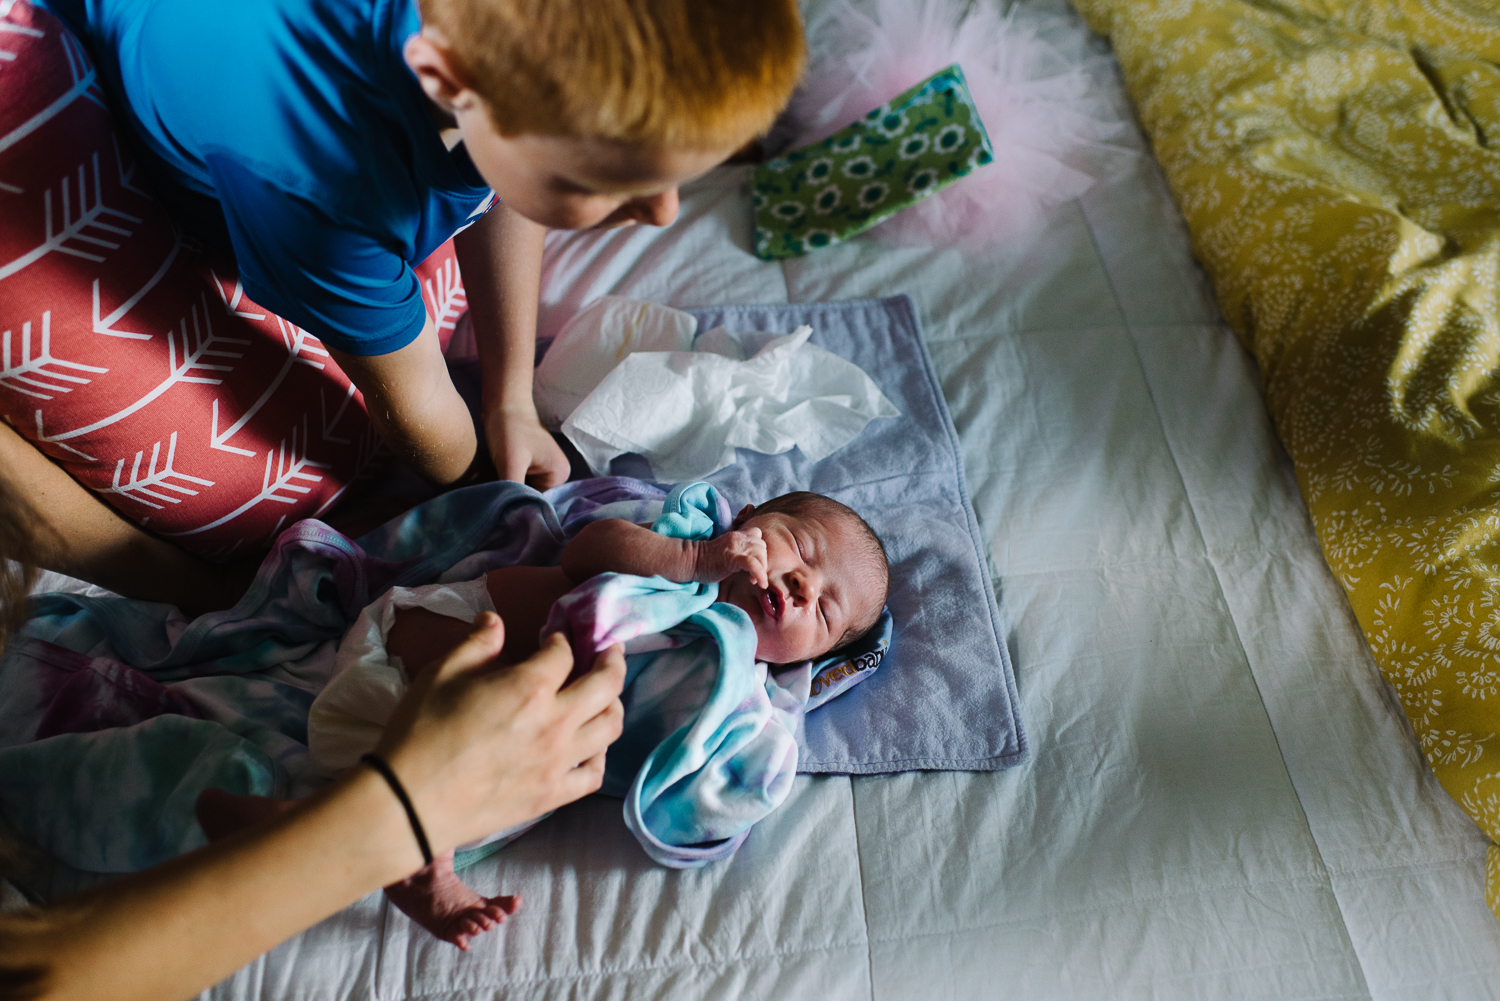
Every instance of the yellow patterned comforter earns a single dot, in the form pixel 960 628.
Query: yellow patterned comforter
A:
pixel 1338 164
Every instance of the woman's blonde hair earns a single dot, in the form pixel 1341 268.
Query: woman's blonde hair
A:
pixel 672 74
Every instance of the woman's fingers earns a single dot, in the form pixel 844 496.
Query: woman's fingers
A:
pixel 484 748
pixel 478 648
pixel 550 666
pixel 601 729
pixel 589 694
pixel 585 779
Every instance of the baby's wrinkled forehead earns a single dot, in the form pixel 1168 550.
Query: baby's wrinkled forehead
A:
pixel 856 564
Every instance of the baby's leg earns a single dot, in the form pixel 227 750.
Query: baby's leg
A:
pixel 221 813
pixel 524 596
pixel 421 638
pixel 435 898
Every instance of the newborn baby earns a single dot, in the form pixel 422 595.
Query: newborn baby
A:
pixel 807 570
pixel 809 573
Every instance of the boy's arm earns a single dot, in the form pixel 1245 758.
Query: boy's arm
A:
pixel 501 258
pixel 413 405
pixel 613 545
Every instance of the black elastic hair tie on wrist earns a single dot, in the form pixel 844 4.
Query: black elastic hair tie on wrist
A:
pixel 378 763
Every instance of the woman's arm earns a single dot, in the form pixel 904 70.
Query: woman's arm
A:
pixel 478 749
pixel 613 545
pixel 76 533
pixel 501 258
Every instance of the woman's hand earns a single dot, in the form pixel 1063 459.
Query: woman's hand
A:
pixel 522 449
pixel 481 748
pixel 478 748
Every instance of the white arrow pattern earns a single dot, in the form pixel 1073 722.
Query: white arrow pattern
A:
pixel 156 481
pixel 445 295
pixel 286 472
pixel 367 450
pixel 89 217
pixel 338 415
pixel 106 324
pixel 30 375
pixel 232 303
pixel 7 56
pixel 85 84
pixel 79 231
pixel 127 173
pixel 201 344
pixel 298 343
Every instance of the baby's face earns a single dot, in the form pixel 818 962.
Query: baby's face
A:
pixel 815 590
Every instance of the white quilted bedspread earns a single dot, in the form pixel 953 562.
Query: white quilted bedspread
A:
pixel 1224 799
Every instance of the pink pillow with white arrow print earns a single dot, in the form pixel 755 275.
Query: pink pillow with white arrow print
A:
pixel 126 357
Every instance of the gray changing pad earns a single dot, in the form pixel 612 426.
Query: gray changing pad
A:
pixel 945 696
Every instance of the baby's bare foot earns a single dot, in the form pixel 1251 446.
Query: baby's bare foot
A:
pixel 222 814
pixel 435 898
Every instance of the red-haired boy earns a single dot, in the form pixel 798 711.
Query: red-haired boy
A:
pixel 330 145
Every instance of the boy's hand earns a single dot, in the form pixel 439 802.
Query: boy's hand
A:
pixel 737 549
pixel 522 449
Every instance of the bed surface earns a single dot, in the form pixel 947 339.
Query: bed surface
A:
pixel 1224 799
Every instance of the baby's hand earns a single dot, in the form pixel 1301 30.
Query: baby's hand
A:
pixel 734 550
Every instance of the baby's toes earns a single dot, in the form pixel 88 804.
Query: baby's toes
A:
pixel 458 936
pixel 465 929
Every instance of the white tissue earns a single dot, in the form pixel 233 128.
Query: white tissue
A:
pixel 595 341
pixel 687 411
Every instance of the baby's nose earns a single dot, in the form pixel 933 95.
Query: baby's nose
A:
pixel 802 586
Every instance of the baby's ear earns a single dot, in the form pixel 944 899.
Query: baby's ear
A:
pixel 746 513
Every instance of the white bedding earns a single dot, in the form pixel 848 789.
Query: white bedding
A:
pixel 1224 799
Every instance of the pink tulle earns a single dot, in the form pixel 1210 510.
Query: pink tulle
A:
pixel 1034 80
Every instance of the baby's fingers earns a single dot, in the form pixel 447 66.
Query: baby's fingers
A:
pixel 753 562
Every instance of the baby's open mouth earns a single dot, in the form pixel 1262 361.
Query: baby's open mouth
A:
pixel 770 603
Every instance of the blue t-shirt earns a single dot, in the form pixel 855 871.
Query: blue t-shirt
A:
pixel 293 131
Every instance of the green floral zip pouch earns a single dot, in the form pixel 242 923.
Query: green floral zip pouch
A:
pixel 919 143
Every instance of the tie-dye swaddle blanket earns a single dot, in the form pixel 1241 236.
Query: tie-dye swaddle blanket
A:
pixel 710 741
pixel 115 714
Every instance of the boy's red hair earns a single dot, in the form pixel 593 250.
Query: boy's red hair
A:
pixel 679 74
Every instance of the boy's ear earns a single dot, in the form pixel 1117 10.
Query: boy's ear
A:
pixel 427 56
pixel 746 513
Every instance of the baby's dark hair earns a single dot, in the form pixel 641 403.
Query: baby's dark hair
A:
pixel 806 504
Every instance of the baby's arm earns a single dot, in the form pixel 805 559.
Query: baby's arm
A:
pixel 524 595
pixel 617 546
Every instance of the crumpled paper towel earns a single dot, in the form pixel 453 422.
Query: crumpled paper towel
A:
pixel 687 411
pixel 595 341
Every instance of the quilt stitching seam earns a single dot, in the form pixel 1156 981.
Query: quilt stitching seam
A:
pixel 1233 621
pixel 1205 891
pixel 488 990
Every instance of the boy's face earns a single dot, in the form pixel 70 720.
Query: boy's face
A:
pixel 558 181
pixel 816 588
pixel 567 183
